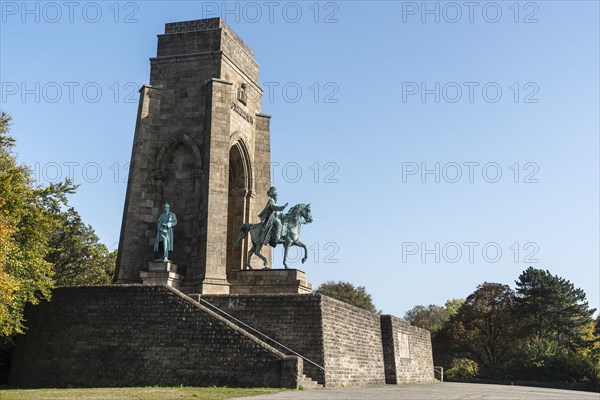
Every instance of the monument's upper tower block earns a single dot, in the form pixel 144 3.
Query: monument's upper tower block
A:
pixel 208 36
pixel 202 144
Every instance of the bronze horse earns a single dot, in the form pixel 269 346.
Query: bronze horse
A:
pixel 291 222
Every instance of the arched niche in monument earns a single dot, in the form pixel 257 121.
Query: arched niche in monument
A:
pixel 177 175
pixel 238 202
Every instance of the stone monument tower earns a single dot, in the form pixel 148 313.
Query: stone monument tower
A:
pixel 202 145
pixel 199 169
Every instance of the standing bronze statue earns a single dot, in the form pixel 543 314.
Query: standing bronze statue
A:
pixel 276 228
pixel 164 234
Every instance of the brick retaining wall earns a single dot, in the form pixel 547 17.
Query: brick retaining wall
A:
pixel 352 343
pixel 294 320
pixel 134 335
pixel 140 335
pixel 407 350
pixel 346 340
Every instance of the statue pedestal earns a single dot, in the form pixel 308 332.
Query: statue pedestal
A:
pixel 161 273
pixel 257 281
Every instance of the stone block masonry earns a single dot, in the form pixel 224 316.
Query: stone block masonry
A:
pixel 202 144
pixel 135 335
pixel 407 352
pixel 145 335
pixel 269 281
pixel 293 320
pixel 350 343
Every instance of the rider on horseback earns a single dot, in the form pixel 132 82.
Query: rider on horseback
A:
pixel 269 230
pixel 270 217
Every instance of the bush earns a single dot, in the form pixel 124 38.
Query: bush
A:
pixel 463 368
pixel 545 360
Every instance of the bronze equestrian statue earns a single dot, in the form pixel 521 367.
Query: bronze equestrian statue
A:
pixel 275 228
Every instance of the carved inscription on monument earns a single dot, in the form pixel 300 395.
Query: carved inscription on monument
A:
pixel 238 109
pixel 403 350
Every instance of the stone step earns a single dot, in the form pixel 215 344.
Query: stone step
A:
pixel 308 383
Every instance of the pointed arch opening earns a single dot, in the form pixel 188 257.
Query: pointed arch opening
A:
pixel 177 177
pixel 238 203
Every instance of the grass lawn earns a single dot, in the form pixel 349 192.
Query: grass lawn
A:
pixel 154 393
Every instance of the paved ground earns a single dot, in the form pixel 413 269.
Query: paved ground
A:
pixel 436 391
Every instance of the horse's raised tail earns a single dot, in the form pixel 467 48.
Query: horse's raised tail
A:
pixel 243 232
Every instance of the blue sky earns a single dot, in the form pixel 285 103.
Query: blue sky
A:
pixel 388 90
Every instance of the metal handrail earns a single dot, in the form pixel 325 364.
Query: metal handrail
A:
pixel 262 334
pixel 440 371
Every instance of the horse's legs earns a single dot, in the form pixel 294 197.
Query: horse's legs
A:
pixel 265 263
pixel 300 244
pixel 252 251
pixel 286 246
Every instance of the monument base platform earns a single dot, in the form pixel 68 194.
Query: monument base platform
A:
pixel 208 286
pixel 261 281
pixel 161 273
pixel 95 336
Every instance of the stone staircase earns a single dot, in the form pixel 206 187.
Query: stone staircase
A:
pixel 308 383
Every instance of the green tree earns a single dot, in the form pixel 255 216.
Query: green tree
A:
pixel 347 292
pixel 453 305
pixel 542 359
pixel 558 338
pixel 595 349
pixel 77 256
pixel 552 308
pixel 485 329
pixel 28 216
pixel 462 368
pixel 433 317
pixel 542 331
pixel 8 285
